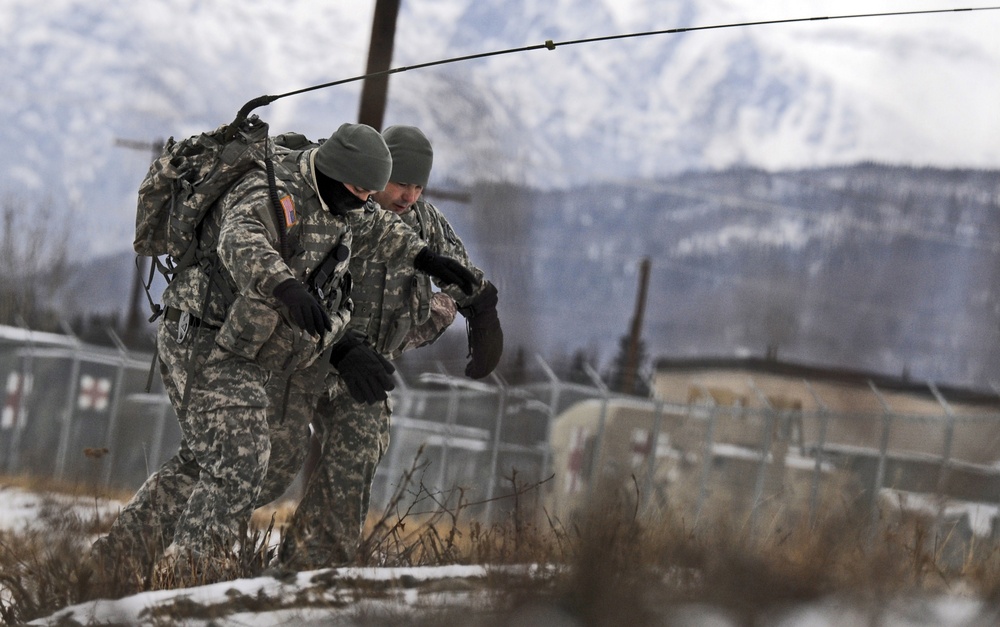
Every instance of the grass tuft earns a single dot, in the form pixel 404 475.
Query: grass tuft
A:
pixel 613 562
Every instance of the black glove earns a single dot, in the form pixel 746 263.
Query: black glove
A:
pixel 445 269
pixel 485 334
pixel 303 308
pixel 367 375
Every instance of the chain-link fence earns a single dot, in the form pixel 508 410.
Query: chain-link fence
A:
pixel 709 440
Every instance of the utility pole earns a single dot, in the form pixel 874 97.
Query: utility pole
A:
pixel 375 89
pixel 630 367
pixel 134 321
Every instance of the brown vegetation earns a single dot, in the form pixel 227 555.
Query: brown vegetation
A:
pixel 614 563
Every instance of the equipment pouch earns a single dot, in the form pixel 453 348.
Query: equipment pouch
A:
pixel 396 335
pixel 248 326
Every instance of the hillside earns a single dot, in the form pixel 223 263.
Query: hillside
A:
pixel 883 268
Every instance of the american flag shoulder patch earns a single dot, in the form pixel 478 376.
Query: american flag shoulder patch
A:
pixel 288 206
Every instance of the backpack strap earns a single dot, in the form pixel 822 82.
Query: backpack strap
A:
pixel 154 265
pixel 279 214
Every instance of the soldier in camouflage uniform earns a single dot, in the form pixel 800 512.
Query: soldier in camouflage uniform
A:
pixel 246 313
pixel 396 309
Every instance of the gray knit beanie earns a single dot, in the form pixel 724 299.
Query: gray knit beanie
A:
pixel 357 155
pixel 412 155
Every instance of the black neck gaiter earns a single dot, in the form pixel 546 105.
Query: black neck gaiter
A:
pixel 337 197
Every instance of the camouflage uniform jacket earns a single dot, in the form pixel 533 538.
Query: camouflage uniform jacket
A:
pixel 239 254
pixel 391 297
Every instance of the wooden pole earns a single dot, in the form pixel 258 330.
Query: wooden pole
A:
pixel 631 365
pixel 374 91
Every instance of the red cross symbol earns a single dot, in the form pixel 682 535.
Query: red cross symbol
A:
pixel 94 393
pixel 14 411
pixel 574 467
pixel 642 444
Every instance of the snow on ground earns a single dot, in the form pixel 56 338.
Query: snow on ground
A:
pixel 376 596
pixel 19 508
pixel 314 597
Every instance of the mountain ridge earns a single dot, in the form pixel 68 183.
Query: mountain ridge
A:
pixel 799 95
pixel 879 267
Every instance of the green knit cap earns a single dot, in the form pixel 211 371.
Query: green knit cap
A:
pixel 357 155
pixel 412 155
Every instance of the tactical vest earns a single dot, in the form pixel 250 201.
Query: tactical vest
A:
pixel 383 303
pixel 319 246
pixel 388 303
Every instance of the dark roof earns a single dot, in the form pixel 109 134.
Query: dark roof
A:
pixel 815 372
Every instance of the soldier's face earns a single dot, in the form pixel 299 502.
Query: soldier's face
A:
pixel 398 197
pixel 360 192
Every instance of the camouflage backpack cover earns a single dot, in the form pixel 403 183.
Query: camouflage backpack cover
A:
pixel 183 183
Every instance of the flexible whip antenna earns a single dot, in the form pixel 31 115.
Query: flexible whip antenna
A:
pixel 551 45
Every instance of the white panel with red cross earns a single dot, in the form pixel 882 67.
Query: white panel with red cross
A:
pixel 94 394
pixel 14 407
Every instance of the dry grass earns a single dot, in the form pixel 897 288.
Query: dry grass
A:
pixel 49 485
pixel 614 563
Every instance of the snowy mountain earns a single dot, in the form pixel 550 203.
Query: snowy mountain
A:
pixel 80 78
pixel 583 159
pixel 887 269
pixel 882 268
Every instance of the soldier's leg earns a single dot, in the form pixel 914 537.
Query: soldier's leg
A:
pixel 226 430
pixel 145 526
pixel 327 524
pixel 290 409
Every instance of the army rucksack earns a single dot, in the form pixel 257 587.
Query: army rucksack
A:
pixel 183 184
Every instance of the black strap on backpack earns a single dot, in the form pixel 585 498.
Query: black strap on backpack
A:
pixel 279 214
pixel 217 283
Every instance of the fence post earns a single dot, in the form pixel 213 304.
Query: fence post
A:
pixel 391 469
pixel 706 458
pixel 945 470
pixel 599 436
pixel 27 389
pixel 654 442
pixel 552 413
pixel 115 407
pixel 501 409
pixel 880 471
pixel 161 429
pixel 67 416
pixel 765 452
pixel 451 415
pixel 824 420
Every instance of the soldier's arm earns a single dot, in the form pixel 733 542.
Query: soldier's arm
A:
pixel 442 239
pixel 248 239
pixel 442 314
pixel 381 236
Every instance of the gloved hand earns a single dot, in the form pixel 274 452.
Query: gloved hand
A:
pixel 485 334
pixel 303 308
pixel 367 374
pixel 446 269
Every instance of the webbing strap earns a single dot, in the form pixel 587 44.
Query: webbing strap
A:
pixel 154 264
pixel 279 214
pixel 152 366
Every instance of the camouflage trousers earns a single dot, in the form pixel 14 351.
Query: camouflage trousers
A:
pixel 291 405
pixel 201 499
pixel 353 437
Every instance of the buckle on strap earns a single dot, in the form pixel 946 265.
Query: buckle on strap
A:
pixel 185 322
pixel 183 326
